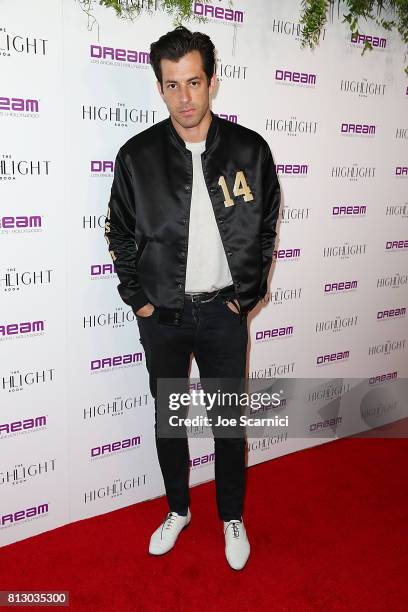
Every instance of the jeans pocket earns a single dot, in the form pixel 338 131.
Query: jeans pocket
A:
pixel 231 310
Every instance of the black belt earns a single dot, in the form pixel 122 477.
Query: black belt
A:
pixel 205 296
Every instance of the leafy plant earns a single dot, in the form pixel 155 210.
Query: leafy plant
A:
pixel 181 10
pixel 314 17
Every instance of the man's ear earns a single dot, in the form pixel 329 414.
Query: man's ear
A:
pixel 213 84
pixel 159 87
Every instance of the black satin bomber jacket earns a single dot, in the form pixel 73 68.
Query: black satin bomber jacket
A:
pixel 149 209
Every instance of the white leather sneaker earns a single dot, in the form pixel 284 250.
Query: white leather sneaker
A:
pixel 165 536
pixel 237 546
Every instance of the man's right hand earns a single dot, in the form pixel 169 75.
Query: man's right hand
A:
pixel 145 311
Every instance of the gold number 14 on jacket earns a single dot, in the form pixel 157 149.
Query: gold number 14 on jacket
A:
pixel 241 187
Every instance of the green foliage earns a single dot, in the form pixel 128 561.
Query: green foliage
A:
pixel 181 10
pixel 314 17
pixel 313 14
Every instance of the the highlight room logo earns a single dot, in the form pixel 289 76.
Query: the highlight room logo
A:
pixel 388 347
pixel 12 169
pixel 393 281
pixel 11 43
pixel 16 381
pixel 354 172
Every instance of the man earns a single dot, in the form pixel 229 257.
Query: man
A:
pixel 191 230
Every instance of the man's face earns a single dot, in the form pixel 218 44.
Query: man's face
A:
pixel 185 89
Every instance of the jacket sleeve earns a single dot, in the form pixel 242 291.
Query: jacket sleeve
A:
pixel 271 204
pixel 120 235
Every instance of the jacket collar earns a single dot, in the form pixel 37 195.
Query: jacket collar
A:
pixel 212 134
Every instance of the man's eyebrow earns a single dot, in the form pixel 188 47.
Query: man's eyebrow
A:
pixel 195 78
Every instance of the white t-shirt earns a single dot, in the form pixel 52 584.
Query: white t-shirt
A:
pixel 207 266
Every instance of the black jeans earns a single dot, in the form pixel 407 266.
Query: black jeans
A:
pixel 218 339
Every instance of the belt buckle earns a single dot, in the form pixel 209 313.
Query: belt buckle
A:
pixel 195 297
pixel 213 295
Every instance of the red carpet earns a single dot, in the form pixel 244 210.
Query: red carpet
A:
pixel 328 528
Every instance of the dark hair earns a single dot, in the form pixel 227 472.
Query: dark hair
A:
pixel 179 42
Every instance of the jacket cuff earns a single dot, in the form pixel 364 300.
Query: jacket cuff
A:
pixel 138 300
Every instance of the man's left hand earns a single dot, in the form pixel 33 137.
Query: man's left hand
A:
pixel 234 306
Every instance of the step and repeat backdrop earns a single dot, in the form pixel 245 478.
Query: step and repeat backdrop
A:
pixel 76 415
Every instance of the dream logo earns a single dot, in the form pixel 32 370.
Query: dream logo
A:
pixel 20 223
pixel 375 41
pixel 357 128
pixel 391 313
pixel 19 105
pixel 113 362
pixel 21 515
pixel 232 118
pixel 340 286
pixel 332 357
pixel 17 329
pixel 99 166
pixel 15 426
pixel 218 12
pixel 286 254
pixel 292 169
pixel 269 334
pixel 348 210
pixel 396 245
pixel 119 55
pixel 203 460
pixel 299 78
pixel 107 449
pixel 106 270
pixel 374 380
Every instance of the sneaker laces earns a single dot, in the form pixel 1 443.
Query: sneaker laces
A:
pixel 168 522
pixel 235 528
